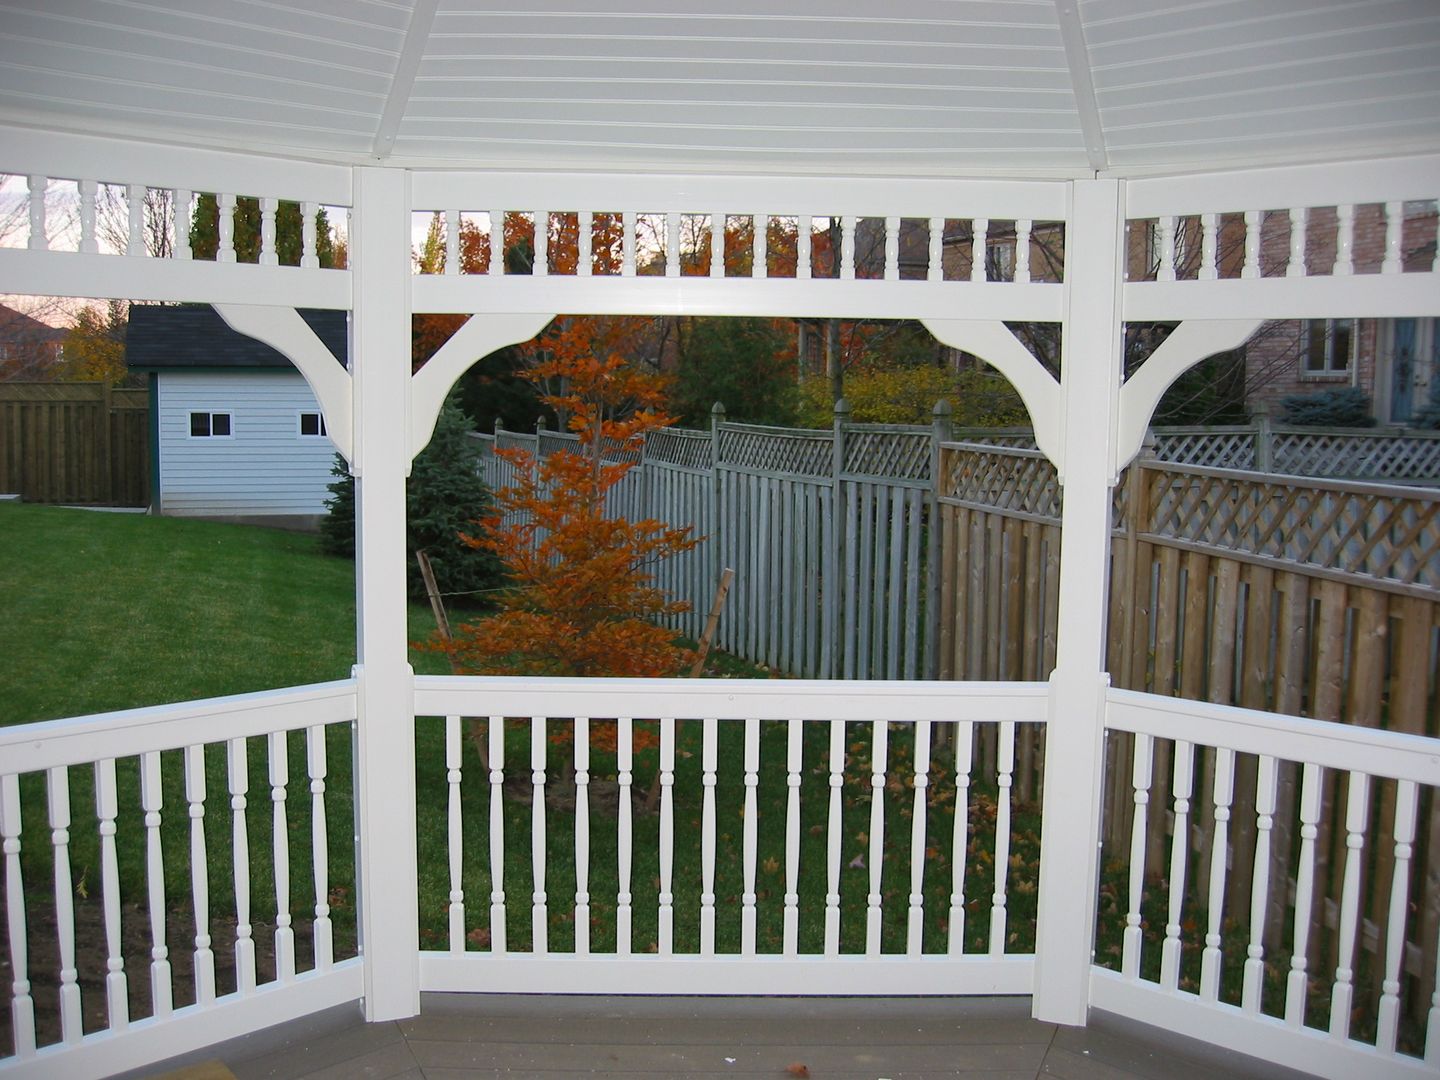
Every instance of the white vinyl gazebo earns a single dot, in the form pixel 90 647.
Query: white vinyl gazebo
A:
pixel 1282 125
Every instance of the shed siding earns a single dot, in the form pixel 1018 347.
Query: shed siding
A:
pixel 264 468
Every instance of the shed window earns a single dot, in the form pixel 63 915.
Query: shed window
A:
pixel 210 425
pixel 312 424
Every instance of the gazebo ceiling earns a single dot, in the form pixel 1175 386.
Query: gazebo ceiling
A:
pixel 901 87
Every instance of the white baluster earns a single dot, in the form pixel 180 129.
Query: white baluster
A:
pixel 199 875
pixel 794 750
pixel 1209 233
pixel 22 1005
pixel 1299 226
pixel 879 759
pixel 1005 772
pixel 88 243
pixel 834 830
pixel 539 911
pixel 847 247
pixel 455 834
pixel 58 790
pixel 582 836
pixel 39 238
pixel 497 243
pixel 279 752
pixel 892 249
pixel 309 235
pixel 709 754
pixel 1265 791
pixel 319 846
pixel 495 732
pixel 1251 268
pixel 804 246
pixel 717 245
pixel 225 227
pixel 135 204
pixel 542 243
pixel 979 232
pixel 1388 1018
pixel 627 240
pixel 585 228
pixel 624 764
pixel 667 836
pixel 960 844
pixel 760 227
pixel 936 267
pixel 1224 795
pixel 751 837
pixel 1394 223
pixel 1344 240
pixel 915 927
pixel 1023 227
pixel 107 805
pixel 452 241
pixel 1357 809
pixel 1297 980
pixel 1165 228
pixel 1140 779
pixel 268 255
pixel 1179 853
pixel 181 211
pixel 151 801
pixel 239 779
pixel 672 244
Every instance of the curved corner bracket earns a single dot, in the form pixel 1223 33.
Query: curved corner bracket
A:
pixel 286 332
pixel 1188 344
pixel 992 341
pixel 478 337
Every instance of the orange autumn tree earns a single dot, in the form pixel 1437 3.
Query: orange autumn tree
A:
pixel 582 599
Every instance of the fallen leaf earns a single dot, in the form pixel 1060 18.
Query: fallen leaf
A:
pixel 795 1068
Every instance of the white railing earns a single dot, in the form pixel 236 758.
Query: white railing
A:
pixel 1267 971
pixel 800 837
pixel 146 778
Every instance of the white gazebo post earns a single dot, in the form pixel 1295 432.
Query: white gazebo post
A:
pixel 385 743
pixel 1091 346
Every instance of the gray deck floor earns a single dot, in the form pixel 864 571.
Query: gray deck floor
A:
pixel 733 1038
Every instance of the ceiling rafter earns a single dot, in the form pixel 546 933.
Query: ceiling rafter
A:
pixel 417 37
pixel 1077 55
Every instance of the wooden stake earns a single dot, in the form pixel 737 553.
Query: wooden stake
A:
pixel 727 576
pixel 442 625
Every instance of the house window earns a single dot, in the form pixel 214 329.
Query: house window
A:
pixel 208 425
pixel 1329 348
pixel 312 425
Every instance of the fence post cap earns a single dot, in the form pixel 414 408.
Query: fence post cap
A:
pixel 541 424
pixel 942 408
pixel 718 409
pixel 842 407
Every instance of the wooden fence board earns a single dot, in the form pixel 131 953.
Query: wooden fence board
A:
pixel 82 444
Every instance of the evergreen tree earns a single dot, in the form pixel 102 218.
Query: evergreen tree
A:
pixel 289 232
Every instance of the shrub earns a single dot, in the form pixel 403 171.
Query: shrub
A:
pixel 907 395
pixel 1347 407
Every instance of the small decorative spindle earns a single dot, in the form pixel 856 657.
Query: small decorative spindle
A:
pixel 1344 240
pixel 1265 792
pixel 1224 795
pixel 199 874
pixel 1004 778
pixel 225 227
pixel 319 846
pixel 759 227
pixel 1023 227
pixel 239 778
pixel 1165 232
pixel 151 800
pixel 1209 235
pixel 268 255
pixel 455 834
pixel 1357 808
pixel 624 764
pixel 181 212
pixel 107 805
pixel 278 745
pixel 672 244
pixel 794 749
pixel 542 243
pixel 751 836
pixel 1140 779
pixel 1394 223
pixel 627 239
pixel 667 836
pixel 892 249
pixel 847 247
pixel 1296 982
pixel 879 761
pixel 22 1005
pixel 58 790
pixel 804 246
pixel 539 911
pixel 960 845
pixel 89 245
pixel 979 244
pixel 135 204
pixel 1182 786
pixel 582 836
pixel 717 245
pixel 309 252
pixel 834 828
pixel 1299 226
pixel 452 241
pixel 916 924
pixel 1388 1018
pixel 585 227
pixel 497 243
pixel 39 238
pixel 1251 267
pixel 936 268
pixel 496 734
pixel 709 754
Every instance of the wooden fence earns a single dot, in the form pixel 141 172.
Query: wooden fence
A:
pixel 75 443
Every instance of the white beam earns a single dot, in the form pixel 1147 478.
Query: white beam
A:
pixel 417 36
pixel 1082 83
pixel 1355 296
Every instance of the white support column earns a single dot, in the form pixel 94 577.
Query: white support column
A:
pixel 1091 340
pixel 385 743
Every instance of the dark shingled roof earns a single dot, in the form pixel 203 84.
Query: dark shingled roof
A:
pixel 195 336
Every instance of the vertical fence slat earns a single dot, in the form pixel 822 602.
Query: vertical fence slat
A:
pixel 495 726
pixel 151 802
pixel 22 1005
pixel 1223 795
pixel 751 835
pixel 57 789
pixel 539 910
pixel 237 760
pixel 1140 782
pixel 107 806
pixel 1265 792
pixel 915 927
pixel 582 836
pixel 624 763
pixel 1179 853
pixel 876 855
pixel 709 755
pixel 794 749
pixel 279 748
pixel 960 843
pixel 204 963
pixel 667 836
pixel 1356 815
pixel 1297 980
pixel 317 767
pixel 833 830
pixel 1388 1017
pixel 455 834
pixel 1004 772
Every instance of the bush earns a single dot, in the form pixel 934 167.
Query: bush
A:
pixel 1348 407
pixel 444 497
pixel 907 395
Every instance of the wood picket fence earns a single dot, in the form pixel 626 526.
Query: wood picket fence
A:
pixel 75 443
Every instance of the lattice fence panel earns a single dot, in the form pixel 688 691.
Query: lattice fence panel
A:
pixel 1216 448
pixel 679 446
pixel 894 455
pixel 785 453
pixel 997 478
pixel 1356 454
